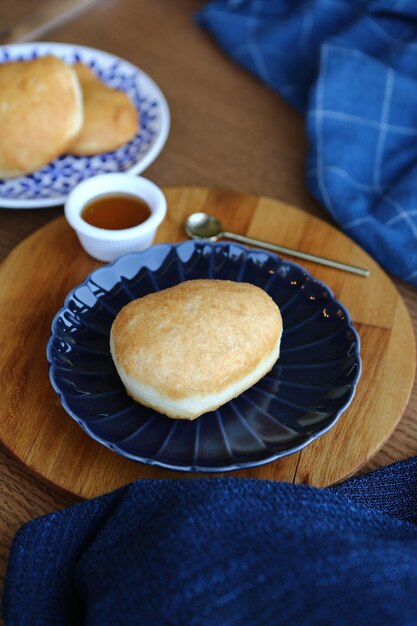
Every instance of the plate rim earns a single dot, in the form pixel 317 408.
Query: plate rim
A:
pixel 199 468
pixel 140 166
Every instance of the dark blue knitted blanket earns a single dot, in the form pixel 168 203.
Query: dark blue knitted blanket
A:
pixel 224 552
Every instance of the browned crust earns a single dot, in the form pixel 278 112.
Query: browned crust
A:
pixel 196 338
pixel 40 113
pixel 110 117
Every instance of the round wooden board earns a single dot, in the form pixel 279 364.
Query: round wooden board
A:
pixel 38 274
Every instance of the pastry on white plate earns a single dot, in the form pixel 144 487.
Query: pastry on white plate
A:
pixel 110 117
pixel 41 112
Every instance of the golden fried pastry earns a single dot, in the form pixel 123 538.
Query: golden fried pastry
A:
pixel 189 349
pixel 110 117
pixel 40 113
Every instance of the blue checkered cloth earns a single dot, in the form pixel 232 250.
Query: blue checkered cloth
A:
pixel 350 66
pixel 223 552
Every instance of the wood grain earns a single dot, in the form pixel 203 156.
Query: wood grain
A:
pixel 37 430
pixel 43 19
pixel 12 12
pixel 228 130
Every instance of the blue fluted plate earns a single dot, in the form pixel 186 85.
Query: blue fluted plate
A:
pixel 302 397
pixel 50 185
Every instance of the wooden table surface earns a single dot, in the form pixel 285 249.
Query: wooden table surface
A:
pixel 228 131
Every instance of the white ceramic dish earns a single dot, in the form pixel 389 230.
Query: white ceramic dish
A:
pixel 107 245
pixel 50 185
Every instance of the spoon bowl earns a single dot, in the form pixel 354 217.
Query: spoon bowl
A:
pixel 203 226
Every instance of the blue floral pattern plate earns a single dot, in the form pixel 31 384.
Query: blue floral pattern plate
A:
pixel 50 185
pixel 302 397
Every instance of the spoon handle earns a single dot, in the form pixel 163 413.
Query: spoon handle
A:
pixel 360 271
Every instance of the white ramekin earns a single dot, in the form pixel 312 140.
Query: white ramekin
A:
pixel 107 245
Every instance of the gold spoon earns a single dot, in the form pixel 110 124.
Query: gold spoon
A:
pixel 209 228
